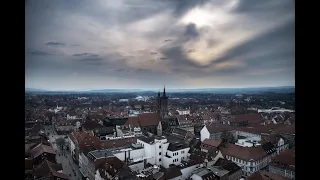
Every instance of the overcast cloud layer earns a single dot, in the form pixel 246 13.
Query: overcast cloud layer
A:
pixel 85 44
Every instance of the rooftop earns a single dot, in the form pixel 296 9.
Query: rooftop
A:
pixel 219 171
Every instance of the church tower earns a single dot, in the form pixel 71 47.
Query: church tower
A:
pixel 159 129
pixel 162 104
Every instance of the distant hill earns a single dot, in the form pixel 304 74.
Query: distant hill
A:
pixel 280 89
pixel 34 90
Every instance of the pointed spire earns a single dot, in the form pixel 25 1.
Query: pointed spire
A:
pixel 159 94
pixel 164 90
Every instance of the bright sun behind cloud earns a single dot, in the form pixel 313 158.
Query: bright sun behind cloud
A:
pixel 199 17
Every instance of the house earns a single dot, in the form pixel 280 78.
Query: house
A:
pixel 246 119
pixel 235 172
pixel 83 161
pixel 65 126
pixel 184 120
pixel 210 145
pixel 128 130
pixel 213 131
pixel 90 125
pixel 279 142
pixel 203 173
pixel 161 151
pixel 288 132
pixel 109 168
pixel 172 173
pixel 284 164
pixel 104 164
pixel 41 152
pixel 49 170
pixel 183 111
pixel 148 122
pixel 186 168
pixel 183 134
pixel 79 140
pixel 264 175
pixel 251 159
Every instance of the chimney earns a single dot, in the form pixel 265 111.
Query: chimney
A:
pixel 125 157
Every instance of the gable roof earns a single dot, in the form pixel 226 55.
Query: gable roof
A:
pixel 244 153
pixel 47 168
pixel 41 148
pixel 145 119
pixel 268 148
pixel 212 142
pixel 149 119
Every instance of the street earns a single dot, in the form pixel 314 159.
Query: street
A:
pixel 63 156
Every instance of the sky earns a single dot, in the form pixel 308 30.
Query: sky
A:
pixel 142 44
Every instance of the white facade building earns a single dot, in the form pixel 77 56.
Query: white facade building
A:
pixel 204 134
pixel 184 112
pixel 160 152
pixel 69 117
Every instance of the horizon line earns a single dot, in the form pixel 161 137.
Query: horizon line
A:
pixel 246 87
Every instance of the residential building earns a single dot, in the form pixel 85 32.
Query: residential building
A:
pixel 264 175
pixel 284 164
pixel 203 173
pixel 235 172
pixel 250 159
pixel 213 131
pixel 161 152
pixel 49 170
pixel 41 152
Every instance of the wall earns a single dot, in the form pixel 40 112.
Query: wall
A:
pixel 72 146
pixel 97 176
pixel 204 134
pixel 196 177
pixel 83 164
pixel 134 154
pixel 176 178
pixel 186 172
pixel 178 155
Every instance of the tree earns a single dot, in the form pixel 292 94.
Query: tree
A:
pixel 61 142
pixel 228 137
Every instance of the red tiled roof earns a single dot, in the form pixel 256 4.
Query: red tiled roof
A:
pixel 286 159
pixel 133 120
pixel 41 148
pixel 149 119
pixel 84 139
pixel 244 153
pixel 115 143
pixel 212 142
pixel 180 132
pixel 218 127
pixel 289 129
pixel 47 168
pixel 251 118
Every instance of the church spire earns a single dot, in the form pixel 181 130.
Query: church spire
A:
pixel 164 91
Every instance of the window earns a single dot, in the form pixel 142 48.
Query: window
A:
pixel 177 153
pixel 160 160
pixel 182 152
pixel 159 147
pixel 159 153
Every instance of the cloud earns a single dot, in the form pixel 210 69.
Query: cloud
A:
pixel 86 55
pixel 221 42
pixel 55 44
